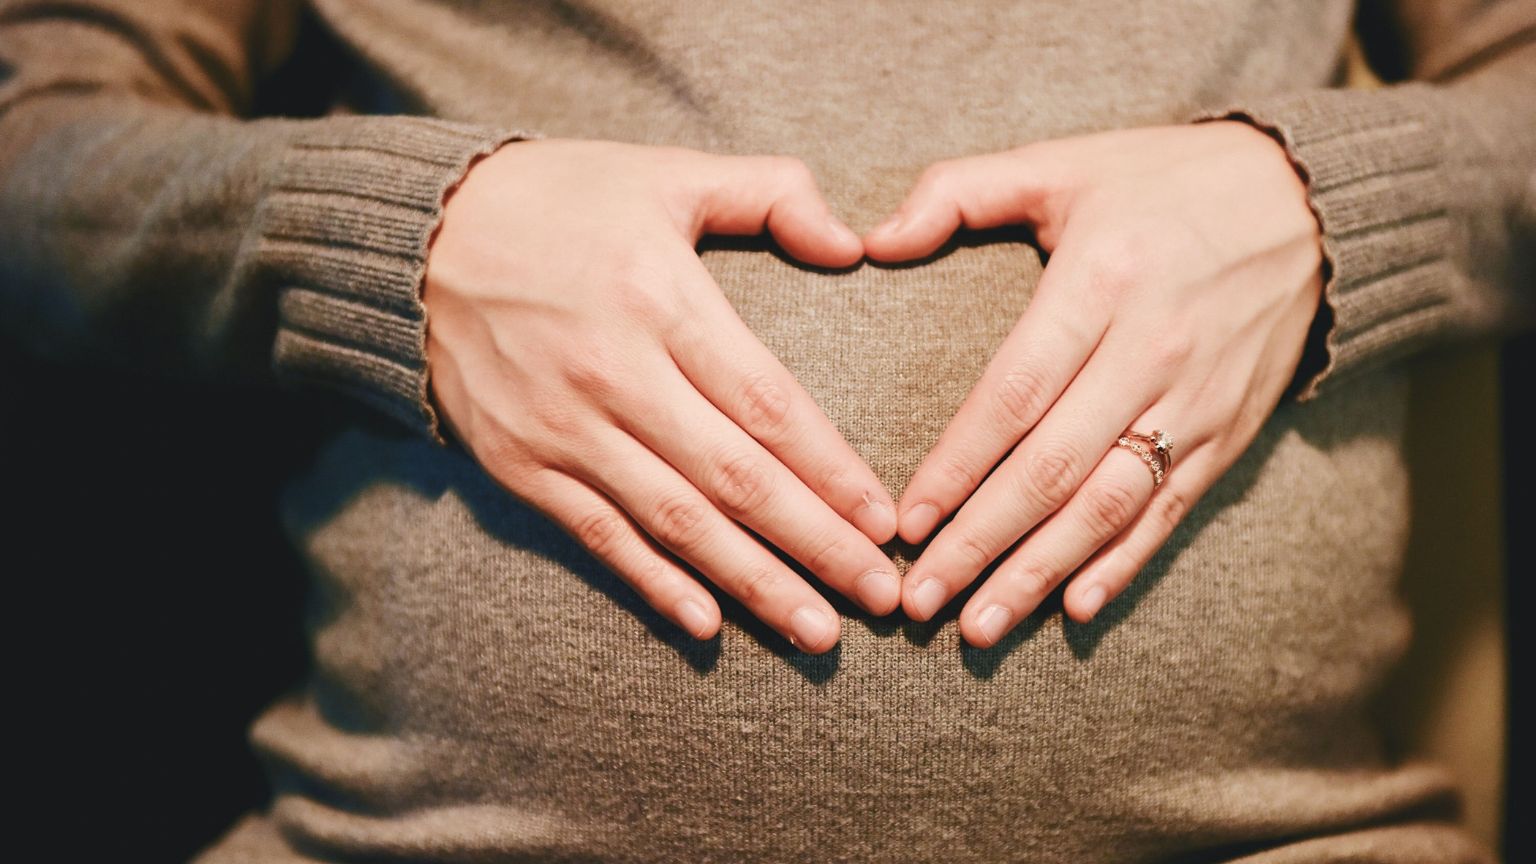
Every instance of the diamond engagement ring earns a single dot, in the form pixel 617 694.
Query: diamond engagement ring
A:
pixel 1155 449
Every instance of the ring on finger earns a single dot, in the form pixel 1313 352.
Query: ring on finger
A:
pixel 1154 448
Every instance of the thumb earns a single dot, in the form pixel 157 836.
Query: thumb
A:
pixel 988 191
pixel 745 194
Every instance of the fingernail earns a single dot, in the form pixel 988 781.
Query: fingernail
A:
pixel 695 619
pixel 1093 600
pixel 877 589
pixel 920 521
pixel 993 622
pixel 875 517
pixel 809 626
pixel 928 597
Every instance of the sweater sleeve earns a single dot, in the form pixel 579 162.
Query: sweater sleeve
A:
pixel 1425 189
pixel 151 221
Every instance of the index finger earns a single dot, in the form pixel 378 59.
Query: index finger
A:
pixel 727 363
pixel 1059 329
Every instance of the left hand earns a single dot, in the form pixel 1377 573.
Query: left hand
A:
pixel 1184 271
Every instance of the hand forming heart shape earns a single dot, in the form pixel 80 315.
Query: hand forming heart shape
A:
pixel 1184 273
pixel 636 408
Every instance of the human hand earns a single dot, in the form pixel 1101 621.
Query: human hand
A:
pixel 585 357
pixel 1184 273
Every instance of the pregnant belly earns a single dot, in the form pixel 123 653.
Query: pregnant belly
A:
pixel 486 690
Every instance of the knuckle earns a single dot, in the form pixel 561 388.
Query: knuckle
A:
pixel 957 471
pixel 758 584
pixel 1110 507
pixel 832 478
pixel 601 532
pixel 641 294
pixel 527 481
pixel 793 170
pixel 1139 243
pixel 595 372
pixel 562 422
pixel 678 520
pixel 939 175
pixel 1034 579
pixel 501 450
pixel 1170 506
pixel 975 551
pixel 1020 397
pixel 1052 473
pixel 1141 248
pixel 742 481
pixel 1114 270
pixel 649 577
pixel 828 554
pixel 764 404
pixel 516 463
pixel 1170 349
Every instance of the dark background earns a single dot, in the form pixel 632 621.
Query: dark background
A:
pixel 160 603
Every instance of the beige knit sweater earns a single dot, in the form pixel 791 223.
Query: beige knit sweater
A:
pixel 484 690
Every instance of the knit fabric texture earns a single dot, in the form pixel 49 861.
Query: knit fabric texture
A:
pixel 485 690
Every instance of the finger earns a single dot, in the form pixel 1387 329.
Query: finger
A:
pixel 681 518
pixel 734 370
pixel 1108 500
pixel 748 484
pixel 608 533
pixel 744 194
pixel 1010 187
pixel 1059 329
pixel 1041 473
pixel 1112 569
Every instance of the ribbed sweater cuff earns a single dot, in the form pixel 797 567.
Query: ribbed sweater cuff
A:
pixel 344 232
pixel 1375 169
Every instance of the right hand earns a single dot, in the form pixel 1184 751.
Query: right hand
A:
pixel 582 353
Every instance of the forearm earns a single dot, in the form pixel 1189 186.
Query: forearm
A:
pixel 149 225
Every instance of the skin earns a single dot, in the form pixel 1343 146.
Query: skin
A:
pixel 1184 272
pixel 636 409
pixel 612 386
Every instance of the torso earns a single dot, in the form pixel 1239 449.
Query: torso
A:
pixel 483 685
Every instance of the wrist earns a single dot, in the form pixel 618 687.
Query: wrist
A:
pixel 1294 184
